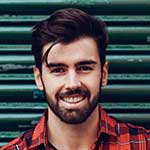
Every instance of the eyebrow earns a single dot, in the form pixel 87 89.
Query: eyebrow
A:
pixel 56 65
pixel 86 62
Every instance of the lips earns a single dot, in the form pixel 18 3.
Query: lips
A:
pixel 74 96
pixel 73 99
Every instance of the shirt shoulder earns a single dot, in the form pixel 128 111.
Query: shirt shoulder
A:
pixel 133 136
pixel 125 136
pixel 20 143
pixel 124 128
pixel 133 130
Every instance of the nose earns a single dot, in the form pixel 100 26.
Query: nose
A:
pixel 73 80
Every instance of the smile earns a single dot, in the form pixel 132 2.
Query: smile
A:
pixel 74 99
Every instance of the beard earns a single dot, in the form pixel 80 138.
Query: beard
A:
pixel 73 116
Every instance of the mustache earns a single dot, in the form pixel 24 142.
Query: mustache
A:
pixel 80 91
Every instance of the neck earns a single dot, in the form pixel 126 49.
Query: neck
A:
pixel 75 137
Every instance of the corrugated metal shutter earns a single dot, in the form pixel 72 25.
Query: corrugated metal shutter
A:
pixel 127 95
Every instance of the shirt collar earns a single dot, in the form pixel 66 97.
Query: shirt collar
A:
pixel 39 133
pixel 108 126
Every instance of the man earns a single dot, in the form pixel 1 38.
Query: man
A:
pixel 70 67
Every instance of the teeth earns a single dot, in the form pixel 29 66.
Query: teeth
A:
pixel 72 99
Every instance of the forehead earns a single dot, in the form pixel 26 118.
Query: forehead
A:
pixel 82 49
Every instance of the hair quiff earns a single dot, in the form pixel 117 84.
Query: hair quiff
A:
pixel 67 25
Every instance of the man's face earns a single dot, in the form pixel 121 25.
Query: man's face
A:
pixel 72 80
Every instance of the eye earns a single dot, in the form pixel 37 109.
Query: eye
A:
pixel 57 70
pixel 84 68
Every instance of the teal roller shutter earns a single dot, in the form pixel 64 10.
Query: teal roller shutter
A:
pixel 128 90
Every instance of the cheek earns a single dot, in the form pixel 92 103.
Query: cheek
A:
pixel 93 83
pixel 94 87
pixel 52 85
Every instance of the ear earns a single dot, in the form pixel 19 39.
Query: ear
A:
pixel 37 76
pixel 105 73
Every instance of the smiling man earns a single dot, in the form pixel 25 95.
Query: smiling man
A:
pixel 70 68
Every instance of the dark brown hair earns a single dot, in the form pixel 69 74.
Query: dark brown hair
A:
pixel 67 25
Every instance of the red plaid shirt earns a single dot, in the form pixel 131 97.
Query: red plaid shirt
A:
pixel 113 135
